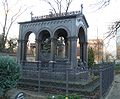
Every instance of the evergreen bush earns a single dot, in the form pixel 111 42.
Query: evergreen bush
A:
pixel 9 74
pixel 90 57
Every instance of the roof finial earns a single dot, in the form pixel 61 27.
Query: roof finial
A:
pixel 31 15
pixel 81 8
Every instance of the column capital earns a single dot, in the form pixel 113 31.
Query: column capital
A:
pixel 53 38
pixel 83 43
pixel 22 41
pixel 73 38
pixel 38 40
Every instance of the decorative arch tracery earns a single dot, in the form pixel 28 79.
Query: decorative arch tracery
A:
pixel 61 44
pixel 29 48
pixel 81 45
pixel 44 45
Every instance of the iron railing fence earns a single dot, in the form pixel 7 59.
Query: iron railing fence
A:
pixel 60 78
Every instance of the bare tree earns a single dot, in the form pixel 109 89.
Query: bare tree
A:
pixel 9 20
pixel 59 4
pixel 103 3
pixel 112 31
pixel 99 4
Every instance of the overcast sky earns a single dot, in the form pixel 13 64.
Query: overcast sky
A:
pixel 98 20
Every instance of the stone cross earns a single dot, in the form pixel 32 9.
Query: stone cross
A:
pixel 81 8
pixel 31 15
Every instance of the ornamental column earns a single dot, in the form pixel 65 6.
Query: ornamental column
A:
pixel 66 48
pixel 19 51
pixel 69 49
pixel 53 48
pixel 22 48
pixel 73 51
pixel 85 52
pixel 38 50
pixel 81 51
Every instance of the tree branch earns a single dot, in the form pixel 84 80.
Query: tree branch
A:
pixel 101 4
pixel 59 5
pixel 13 19
pixel 57 2
pixel 104 3
pixel 68 2
pixel 6 11
pixel 53 9
pixel 112 31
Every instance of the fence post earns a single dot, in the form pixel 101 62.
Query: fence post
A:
pixel 50 69
pixel 39 75
pixel 101 74
pixel 22 63
pixel 67 81
pixel 67 76
pixel 113 70
pixel 21 68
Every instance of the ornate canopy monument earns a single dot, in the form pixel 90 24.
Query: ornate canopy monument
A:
pixel 60 49
pixel 68 28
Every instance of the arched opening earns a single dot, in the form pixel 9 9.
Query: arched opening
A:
pixel 30 47
pixel 81 45
pixel 78 49
pixel 60 47
pixel 45 45
pixel 61 44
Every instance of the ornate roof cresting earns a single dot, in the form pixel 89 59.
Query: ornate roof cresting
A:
pixel 55 15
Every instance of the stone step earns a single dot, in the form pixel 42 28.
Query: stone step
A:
pixel 50 84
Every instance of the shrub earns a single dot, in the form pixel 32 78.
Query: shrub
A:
pixel 9 74
pixel 90 57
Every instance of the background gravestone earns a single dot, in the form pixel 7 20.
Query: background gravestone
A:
pixel 15 94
